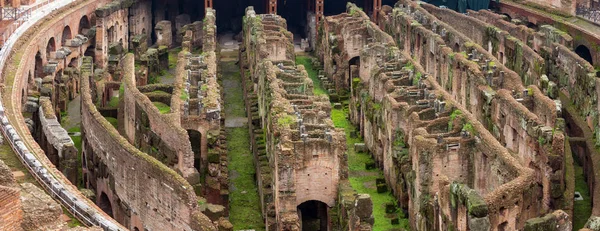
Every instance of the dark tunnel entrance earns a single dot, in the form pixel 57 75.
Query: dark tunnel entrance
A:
pixel 584 53
pixel 230 14
pixel 313 215
pixel 105 205
pixel 196 141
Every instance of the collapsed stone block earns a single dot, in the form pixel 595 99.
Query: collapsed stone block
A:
pixel 214 212
pixel 140 45
pixel 360 147
pixel 164 35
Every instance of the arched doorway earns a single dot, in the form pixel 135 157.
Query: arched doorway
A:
pixel 39 66
pixel 66 35
pixel 353 70
pixel 584 53
pixel 90 52
pixel 313 216
pixel 84 25
pixel 196 141
pixel 105 205
pixel 51 47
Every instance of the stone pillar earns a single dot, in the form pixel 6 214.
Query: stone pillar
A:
pixel 164 36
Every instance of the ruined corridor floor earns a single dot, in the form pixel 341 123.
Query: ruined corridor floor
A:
pixel 244 200
pixel 361 180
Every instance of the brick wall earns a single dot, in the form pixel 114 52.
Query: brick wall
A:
pixel 11 214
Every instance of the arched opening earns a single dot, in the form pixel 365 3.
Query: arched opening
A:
pixel 110 35
pixel 39 66
pixel 532 25
pixel 89 52
pixel 196 141
pixel 313 216
pixel 66 35
pixel 51 47
pixel 353 70
pixel 105 205
pixel 84 25
pixel 136 229
pixel 584 53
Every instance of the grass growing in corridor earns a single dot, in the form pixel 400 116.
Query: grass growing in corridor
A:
pixel 234 94
pixel 244 200
pixel 162 108
pixel 581 209
pixel 362 180
pixel 312 73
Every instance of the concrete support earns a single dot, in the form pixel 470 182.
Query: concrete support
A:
pixel 272 7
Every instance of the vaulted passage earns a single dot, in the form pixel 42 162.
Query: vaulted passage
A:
pixel 313 215
pixel 105 205
pixel 195 140
pixel 584 53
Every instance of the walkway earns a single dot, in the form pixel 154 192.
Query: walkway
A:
pixel 244 202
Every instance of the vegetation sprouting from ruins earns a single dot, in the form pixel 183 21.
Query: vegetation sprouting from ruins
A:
pixel 582 209
pixel 361 179
pixel 306 61
pixel 162 108
pixel 245 210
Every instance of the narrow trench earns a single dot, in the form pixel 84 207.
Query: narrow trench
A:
pixel 245 209
pixel 361 179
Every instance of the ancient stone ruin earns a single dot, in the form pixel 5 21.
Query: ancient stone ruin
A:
pixel 299 115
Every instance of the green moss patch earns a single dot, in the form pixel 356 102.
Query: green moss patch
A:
pixel 582 210
pixel 244 200
pixel 162 108
pixel 364 181
pixel 306 61
pixel 113 121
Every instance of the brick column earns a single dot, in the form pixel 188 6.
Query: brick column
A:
pixel 208 4
pixel 376 9
pixel 319 4
pixel 272 7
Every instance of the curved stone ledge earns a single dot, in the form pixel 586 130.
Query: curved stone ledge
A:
pixel 157 186
pixel 14 76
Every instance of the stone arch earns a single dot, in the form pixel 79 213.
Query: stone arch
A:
pixel 354 61
pixel 39 66
pixel 196 142
pixel 111 34
pixel 84 25
pixel 584 52
pixel 313 215
pixel 104 204
pixel 66 35
pixel 90 52
pixel 51 47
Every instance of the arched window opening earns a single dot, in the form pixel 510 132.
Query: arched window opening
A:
pixel 51 47
pixel 66 35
